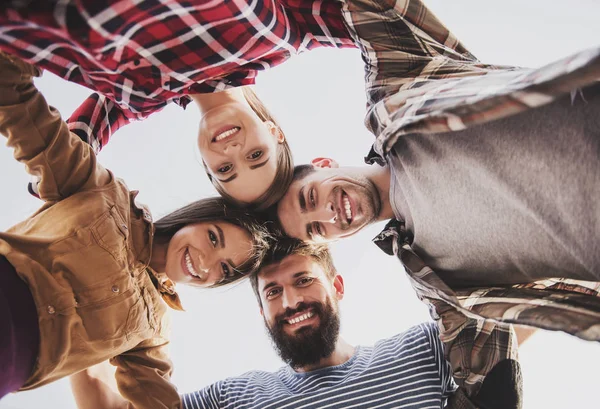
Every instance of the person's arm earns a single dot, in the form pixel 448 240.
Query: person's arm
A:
pixel 96 388
pixel 143 376
pixel 523 333
pixel 41 139
pixel 98 118
pixel 483 359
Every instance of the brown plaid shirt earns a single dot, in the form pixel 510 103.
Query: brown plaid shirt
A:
pixel 420 78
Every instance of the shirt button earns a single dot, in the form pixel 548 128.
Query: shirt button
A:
pixel 50 309
pixel 115 289
pixel 136 61
pixel 76 302
pixel 124 226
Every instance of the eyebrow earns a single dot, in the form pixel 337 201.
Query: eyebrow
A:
pixel 309 230
pixel 258 165
pixel 221 236
pixel 232 177
pixel 273 283
pixel 222 241
pixel 229 179
pixel 302 200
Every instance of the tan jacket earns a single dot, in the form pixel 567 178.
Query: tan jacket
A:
pixel 84 254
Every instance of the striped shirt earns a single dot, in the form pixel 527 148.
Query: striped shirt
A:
pixel 405 371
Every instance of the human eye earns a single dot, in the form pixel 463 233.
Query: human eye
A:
pixel 213 238
pixel 311 197
pixel 227 271
pixel 273 293
pixel 225 168
pixel 304 281
pixel 255 155
pixel 319 229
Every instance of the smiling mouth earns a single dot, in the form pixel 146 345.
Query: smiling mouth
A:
pixel 300 318
pixel 189 266
pixel 346 208
pixel 226 133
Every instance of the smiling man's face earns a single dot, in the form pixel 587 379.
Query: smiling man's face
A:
pixel 328 203
pixel 300 307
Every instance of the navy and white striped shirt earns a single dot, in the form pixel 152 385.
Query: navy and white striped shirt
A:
pixel 405 371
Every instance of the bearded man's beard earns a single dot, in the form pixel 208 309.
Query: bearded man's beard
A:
pixel 308 345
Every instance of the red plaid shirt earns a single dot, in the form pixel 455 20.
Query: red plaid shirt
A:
pixel 140 56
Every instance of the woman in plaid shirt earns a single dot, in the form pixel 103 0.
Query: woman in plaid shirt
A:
pixel 139 56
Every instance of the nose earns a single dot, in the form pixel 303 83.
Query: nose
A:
pixel 206 264
pixel 325 214
pixel 232 147
pixel 291 299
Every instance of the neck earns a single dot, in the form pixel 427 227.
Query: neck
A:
pixel 342 353
pixel 158 255
pixel 380 176
pixel 206 102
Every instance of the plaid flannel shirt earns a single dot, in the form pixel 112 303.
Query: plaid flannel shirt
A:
pixel 139 56
pixel 420 78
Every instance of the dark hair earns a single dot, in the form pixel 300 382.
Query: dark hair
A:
pixel 301 171
pixel 270 213
pixel 215 209
pixel 287 246
pixel 285 162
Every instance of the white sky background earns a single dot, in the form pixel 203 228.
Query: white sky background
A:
pixel 318 98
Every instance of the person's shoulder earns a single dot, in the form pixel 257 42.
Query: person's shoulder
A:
pixel 423 333
pixel 251 378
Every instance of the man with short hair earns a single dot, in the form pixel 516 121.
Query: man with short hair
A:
pixel 298 291
pixel 490 176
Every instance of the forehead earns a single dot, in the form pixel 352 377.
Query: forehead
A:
pixel 238 242
pixel 288 268
pixel 250 184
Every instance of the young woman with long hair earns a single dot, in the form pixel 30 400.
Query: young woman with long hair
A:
pixel 141 55
pixel 89 276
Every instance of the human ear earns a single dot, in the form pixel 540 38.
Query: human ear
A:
pixel 338 285
pixel 324 163
pixel 275 131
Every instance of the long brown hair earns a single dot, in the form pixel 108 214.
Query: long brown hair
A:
pixel 215 209
pixel 285 162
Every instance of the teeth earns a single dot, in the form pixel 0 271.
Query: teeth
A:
pixel 347 208
pixel 190 266
pixel 225 134
pixel 301 318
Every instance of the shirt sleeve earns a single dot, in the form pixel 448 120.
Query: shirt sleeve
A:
pixel 475 349
pixel 207 398
pixel 40 138
pixel 444 369
pixel 399 42
pixel 482 353
pixel 143 376
pixel 98 118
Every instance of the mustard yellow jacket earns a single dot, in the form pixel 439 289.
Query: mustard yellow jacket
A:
pixel 84 255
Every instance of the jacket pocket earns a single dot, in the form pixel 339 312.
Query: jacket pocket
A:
pixel 111 232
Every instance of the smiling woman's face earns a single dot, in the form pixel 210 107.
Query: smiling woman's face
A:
pixel 202 254
pixel 239 150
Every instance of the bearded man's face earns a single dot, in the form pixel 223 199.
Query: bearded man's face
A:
pixel 300 308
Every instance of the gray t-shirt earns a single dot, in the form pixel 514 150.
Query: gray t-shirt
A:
pixel 509 201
